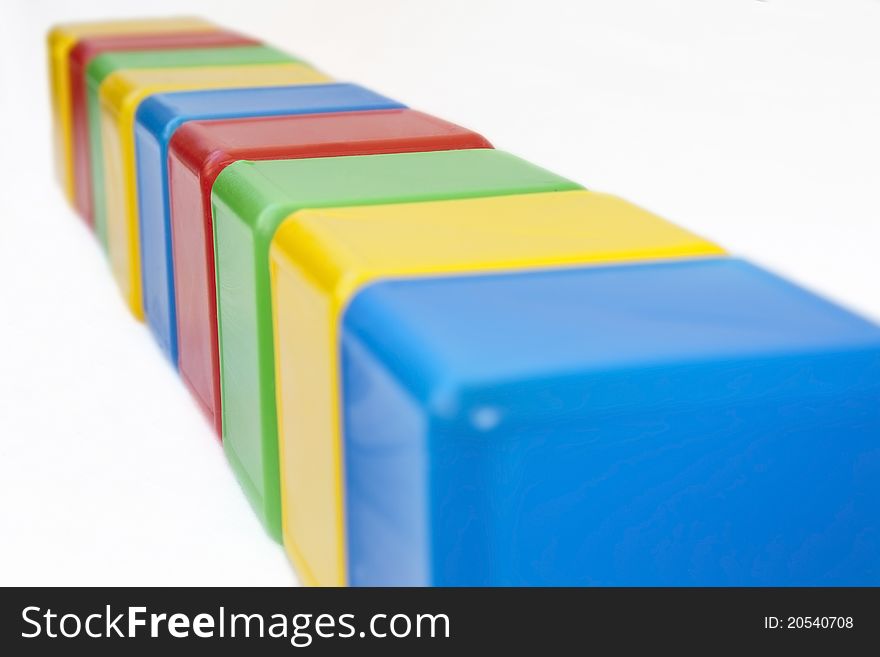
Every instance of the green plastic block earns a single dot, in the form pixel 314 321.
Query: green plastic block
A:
pixel 249 202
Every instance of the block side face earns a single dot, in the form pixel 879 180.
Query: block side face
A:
pixel 626 316
pixel 703 400
pixel 156 267
pixel 130 214
pixel 162 80
pixel 110 102
pixel 503 233
pixel 203 69
pixel 333 133
pixel 195 293
pixel 426 125
pixel 399 177
pixel 59 44
pixel 79 30
pixel 268 101
pixel 121 225
pixel 90 47
pixel 386 470
pixel 247 398
pixel 241 55
pixel 96 165
pixel 80 142
pixel 756 493
pixel 306 339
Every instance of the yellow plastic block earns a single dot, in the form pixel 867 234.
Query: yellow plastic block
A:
pixel 120 95
pixel 321 258
pixel 61 40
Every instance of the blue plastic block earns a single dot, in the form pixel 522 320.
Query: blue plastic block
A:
pixel 156 120
pixel 689 423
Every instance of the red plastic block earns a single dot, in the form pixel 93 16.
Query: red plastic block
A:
pixel 83 53
pixel 200 150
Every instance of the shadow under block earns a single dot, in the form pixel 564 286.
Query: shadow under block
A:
pixel 200 150
pixel 108 65
pixel 81 56
pixel 60 41
pixel 120 95
pixel 319 260
pixel 696 423
pixel 250 200
pixel 157 120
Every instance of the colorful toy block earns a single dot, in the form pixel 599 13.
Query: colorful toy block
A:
pixel 156 121
pixel 200 150
pixel 321 258
pixel 60 41
pixel 120 95
pixel 104 66
pixel 250 200
pixel 432 363
pixel 690 423
pixel 81 56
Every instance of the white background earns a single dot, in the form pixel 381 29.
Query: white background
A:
pixel 754 123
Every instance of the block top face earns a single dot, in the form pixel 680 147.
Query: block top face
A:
pixel 103 65
pixel 264 193
pixel 559 330
pixel 125 89
pixel 205 147
pixel 341 249
pixel 90 47
pixel 73 31
pixel 162 113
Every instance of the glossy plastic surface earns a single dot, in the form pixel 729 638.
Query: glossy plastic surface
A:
pixel 156 121
pixel 104 66
pixel 201 150
pixel 698 423
pixel 80 57
pixel 250 200
pixel 320 258
pixel 120 95
pixel 60 41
